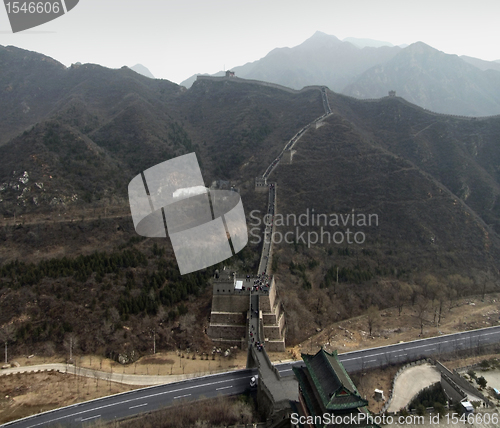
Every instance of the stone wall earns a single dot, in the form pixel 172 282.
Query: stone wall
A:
pixel 452 391
pixel 230 303
pixel 270 318
pixel 226 332
pixel 227 286
pixel 228 318
pixel 401 370
pixel 261 184
pixel 259 82
pixel 275 346
pixel 267 301
pixel 281 323
pixel 272 332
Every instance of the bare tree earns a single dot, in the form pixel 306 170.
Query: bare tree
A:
pixel 373 318
pixel 161 314
pixel 416 291
pixel 460 284
pixel 187 324
pixel 71 342
pixel 402 295
pixel 441 296
pixel 7 334
pixel 422 305
pixel 483 281
pixel 430 286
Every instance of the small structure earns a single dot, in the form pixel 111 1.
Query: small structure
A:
pixel 468 407
pixel 261 184
pixel 326 388
pixel 379 395
pixel 229 73
pixel 392 93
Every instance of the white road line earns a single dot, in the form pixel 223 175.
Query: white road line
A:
pixel 371 361
pixel 224 387
pixel 287 370
pixel 88 419
pixel 132 400
pixel 182 396
pixel 139 405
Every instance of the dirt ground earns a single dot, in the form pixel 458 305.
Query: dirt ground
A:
pixel 382 378
pixel 161 363
pixel 32 393
pixel 22 395
pixel 350 335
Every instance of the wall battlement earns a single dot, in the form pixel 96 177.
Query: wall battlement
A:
pixel 231 310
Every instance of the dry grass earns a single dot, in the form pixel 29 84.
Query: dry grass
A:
pixel 352 334
pixel 27 394
pixel 218 412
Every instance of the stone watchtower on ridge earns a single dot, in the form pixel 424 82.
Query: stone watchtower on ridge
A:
pixel 261 184
pixel 231 305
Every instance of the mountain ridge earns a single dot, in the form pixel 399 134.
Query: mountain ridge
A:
pixel 431 179
pixel 106 126
pixel 371 72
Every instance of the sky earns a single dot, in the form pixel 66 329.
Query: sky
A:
pixel 176 39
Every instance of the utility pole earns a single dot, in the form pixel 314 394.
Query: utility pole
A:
pixel 77 383
pixel 154 341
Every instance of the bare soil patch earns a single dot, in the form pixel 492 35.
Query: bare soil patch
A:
pixel 23 395
pixel 350 335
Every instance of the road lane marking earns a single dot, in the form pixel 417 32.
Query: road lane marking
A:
pixel 136 399
pixel 88 419
pixel 224 387
pixel 182 396
pixel 451 338
pixel 479 332
pixel 139 405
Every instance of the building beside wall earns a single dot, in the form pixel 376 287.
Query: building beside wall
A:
pixel 327 393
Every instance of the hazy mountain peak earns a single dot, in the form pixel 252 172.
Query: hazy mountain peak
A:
pixel 481 64
pixel 139 68
pixel 321 38
pixel 420 47
pixel 363 43
pixel 320 34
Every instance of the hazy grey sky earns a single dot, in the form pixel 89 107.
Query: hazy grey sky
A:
pixel 176 39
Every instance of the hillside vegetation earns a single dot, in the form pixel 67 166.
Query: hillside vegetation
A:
pixel 72 265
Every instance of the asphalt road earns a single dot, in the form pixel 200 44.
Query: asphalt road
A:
pixel 233 383
pixel 143 400
pixel 411 351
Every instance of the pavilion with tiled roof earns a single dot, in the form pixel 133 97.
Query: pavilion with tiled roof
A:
pixel 325 387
